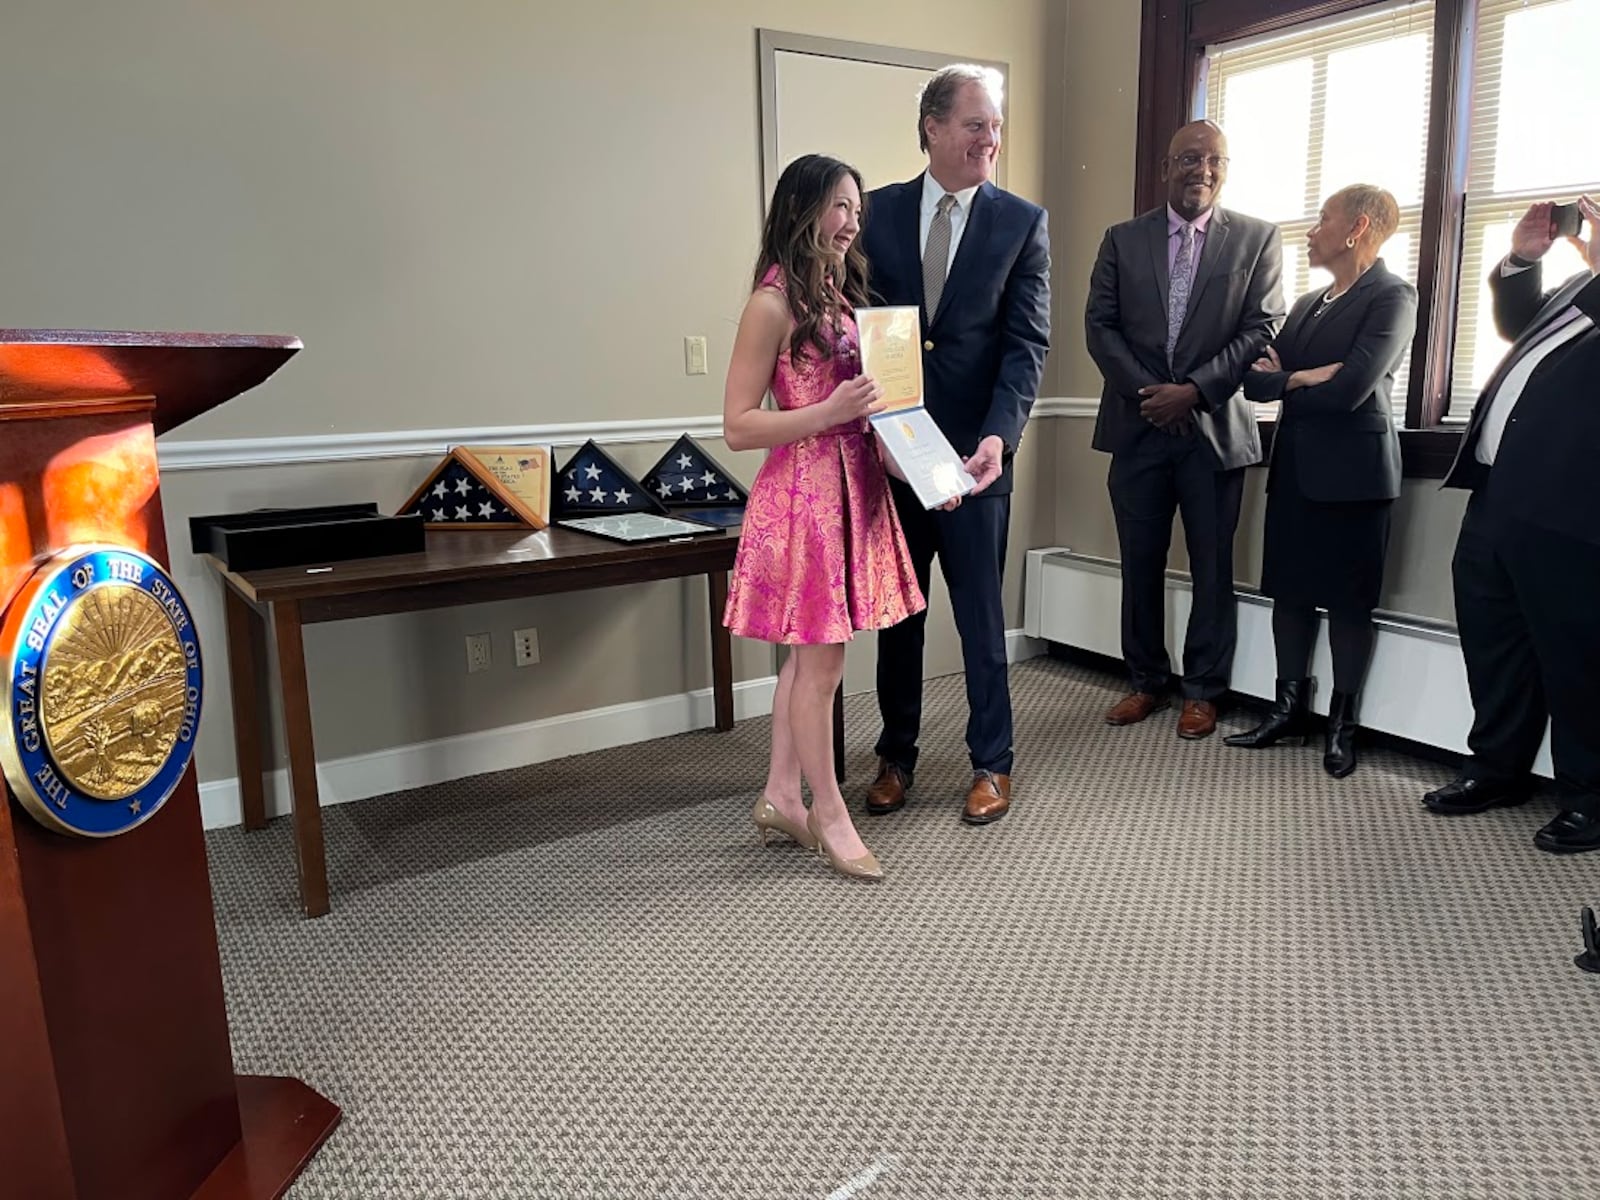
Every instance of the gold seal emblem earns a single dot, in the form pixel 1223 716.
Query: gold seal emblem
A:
pixel 102 690
pixel 113 695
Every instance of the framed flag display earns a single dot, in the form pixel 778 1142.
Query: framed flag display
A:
pixel 693 484
pixel 639 527
pixel 593 484
pixel 486 487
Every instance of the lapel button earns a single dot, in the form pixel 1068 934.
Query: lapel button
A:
pixel 928 345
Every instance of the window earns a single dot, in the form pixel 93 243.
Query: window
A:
pixel 1497 97
pixel 1532 138
pixel 1304 119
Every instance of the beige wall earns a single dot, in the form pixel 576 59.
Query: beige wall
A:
pixel 484 213
pixel 1096 189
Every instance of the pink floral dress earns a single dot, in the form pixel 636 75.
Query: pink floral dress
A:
pixel 821 554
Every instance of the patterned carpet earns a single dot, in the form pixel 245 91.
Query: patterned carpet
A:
pixel 1176 970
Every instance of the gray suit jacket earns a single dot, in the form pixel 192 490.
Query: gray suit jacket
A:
pixel 1235 308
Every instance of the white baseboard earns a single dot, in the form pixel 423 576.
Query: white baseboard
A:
pixel 423 764
pixel 1020 647
pixel 1416 687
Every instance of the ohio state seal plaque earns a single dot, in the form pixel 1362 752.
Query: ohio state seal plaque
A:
pixel 102 691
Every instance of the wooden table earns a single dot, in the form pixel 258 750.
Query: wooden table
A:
pixel 457 567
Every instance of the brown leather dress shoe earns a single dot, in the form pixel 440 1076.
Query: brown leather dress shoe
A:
pixel 888 791
pixel 1197 720
pixel 989 799
pixel 1135 707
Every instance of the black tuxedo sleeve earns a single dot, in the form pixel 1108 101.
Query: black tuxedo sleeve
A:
pixel 1518 297
pixel 1102 321
pixel 1386 329
pixel 1024 337
pixel 1259 320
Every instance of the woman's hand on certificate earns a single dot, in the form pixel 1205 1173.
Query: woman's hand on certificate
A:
pixel 853 400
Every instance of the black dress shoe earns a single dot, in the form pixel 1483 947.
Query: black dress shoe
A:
pixel 1463 796
pixel 1570 833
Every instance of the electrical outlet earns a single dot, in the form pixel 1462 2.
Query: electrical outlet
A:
pixel 477 652
pixel 694 356
pixel 526 642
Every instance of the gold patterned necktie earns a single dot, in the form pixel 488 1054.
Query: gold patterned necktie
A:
pixel 936 258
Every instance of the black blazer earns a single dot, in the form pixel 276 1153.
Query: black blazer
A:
pixel 1235 307
pixel 983 353
pixel 1547 467
pixel 1345 444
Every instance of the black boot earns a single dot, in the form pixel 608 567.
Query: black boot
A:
pixel 1287 720
pixel 1340 757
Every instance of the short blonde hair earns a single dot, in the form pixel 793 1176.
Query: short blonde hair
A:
pixel 1378 206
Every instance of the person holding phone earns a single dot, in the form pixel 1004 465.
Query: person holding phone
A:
pixel 1335 471
pixel 1527 561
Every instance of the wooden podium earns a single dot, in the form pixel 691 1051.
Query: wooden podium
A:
pixel 118 1082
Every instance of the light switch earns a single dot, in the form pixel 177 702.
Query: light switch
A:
pixel 694 356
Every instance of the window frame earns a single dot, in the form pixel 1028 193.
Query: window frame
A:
pixel 1172 45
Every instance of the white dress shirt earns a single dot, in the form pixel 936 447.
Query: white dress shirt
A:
pixel 932 192
pixel 1567 325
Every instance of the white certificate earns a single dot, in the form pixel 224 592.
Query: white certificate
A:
pixel 924 455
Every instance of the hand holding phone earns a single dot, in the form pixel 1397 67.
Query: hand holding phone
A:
pixel 1566 220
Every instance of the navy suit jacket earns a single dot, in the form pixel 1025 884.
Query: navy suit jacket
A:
pixel 983 351
pixel 1235 309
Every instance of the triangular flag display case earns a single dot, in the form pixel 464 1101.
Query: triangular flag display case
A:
pixel 593 484
pixel 486 487
pixel 119 1081
pixel 688 477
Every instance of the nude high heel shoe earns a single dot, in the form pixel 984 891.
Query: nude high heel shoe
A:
pixel 769 821
pixel 865 867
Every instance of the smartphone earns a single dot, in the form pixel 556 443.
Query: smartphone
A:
pixel 1565 220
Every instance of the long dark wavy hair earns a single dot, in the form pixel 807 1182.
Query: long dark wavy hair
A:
pixel 818 286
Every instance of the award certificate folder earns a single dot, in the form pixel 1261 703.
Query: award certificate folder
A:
pixel 891 352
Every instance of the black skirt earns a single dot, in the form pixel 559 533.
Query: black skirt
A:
pixel 1320 554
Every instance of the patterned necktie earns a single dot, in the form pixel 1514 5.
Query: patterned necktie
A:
pixel 1178 291
pixel 936 258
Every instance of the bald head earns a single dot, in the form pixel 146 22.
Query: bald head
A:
pixel 1195 167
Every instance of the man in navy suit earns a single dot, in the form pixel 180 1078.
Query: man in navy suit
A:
pixel 977 261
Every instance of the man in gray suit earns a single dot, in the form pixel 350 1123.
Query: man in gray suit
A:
pixel 1182 300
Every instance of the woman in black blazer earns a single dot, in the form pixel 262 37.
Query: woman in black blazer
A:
pixel 1335 469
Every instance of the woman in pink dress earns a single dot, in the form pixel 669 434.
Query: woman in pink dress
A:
pixel 821 554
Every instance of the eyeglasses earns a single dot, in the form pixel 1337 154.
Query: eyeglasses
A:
pixel 1190 160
